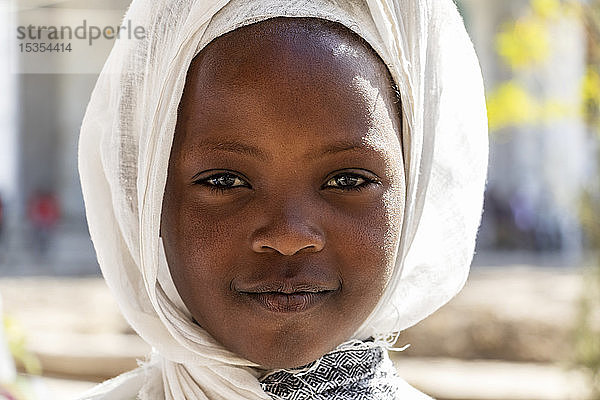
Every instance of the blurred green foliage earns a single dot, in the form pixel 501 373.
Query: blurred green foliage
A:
pixel 587 338
pixel 16 340
pixel 525 45
pixel 587 333
pixel 17 344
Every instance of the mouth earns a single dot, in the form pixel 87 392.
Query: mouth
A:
pixel 288 298
pixel 296 302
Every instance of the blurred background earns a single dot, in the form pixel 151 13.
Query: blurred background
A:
pixel 527 324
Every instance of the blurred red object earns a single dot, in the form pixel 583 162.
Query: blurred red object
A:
pixel 44 210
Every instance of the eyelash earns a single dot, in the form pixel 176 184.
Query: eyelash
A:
pixel 216 188
pixel 222 189
pixel 367 181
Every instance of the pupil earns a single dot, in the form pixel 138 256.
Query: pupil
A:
pixel 225 180
pixel 346 180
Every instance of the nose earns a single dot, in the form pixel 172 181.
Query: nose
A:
pixel 288 232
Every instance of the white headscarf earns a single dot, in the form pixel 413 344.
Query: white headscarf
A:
pixel 125 145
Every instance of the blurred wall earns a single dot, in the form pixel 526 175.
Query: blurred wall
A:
pixel 46 99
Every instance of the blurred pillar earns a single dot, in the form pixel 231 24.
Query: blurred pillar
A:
pixel 567 158
pixel 8 110
pixel 549 163
pixel 54 91
pixel 56 87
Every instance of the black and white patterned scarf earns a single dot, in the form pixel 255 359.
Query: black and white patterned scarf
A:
pixel 359 371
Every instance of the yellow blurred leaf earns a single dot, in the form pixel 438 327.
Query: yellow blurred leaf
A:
pixel 591 86
pixel 590 96
pixel 546 8
pixel 17 344
pixel 511 105
pixel 524 43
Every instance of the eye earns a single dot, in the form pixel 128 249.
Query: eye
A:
pixel 349 181
pixel 222 182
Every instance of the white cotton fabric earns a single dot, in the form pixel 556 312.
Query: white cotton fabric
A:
pixel 124 151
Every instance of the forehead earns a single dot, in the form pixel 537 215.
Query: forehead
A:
pixel 287 75
pixel 282 38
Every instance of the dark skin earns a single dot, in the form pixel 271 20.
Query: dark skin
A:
pixel 283 204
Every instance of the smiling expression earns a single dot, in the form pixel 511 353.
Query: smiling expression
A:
pixel 283 204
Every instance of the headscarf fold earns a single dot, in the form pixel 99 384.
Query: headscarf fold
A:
pixel 124 150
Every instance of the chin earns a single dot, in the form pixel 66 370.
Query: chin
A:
pixel 286 359
pixel 288 352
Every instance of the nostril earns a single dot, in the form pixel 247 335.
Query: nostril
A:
pixel 287 239
pixel 286 250
pixel 311 248
pixel 267 249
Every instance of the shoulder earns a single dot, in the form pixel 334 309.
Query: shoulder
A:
pixel 126 386
pixel 402 390
pixel 407 392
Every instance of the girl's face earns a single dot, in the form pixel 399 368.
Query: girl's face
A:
pixel 285 190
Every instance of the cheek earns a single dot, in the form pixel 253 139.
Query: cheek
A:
pixel 200 244
pixel 367 244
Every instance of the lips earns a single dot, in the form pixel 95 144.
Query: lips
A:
pixel 288 303
pixel 287 296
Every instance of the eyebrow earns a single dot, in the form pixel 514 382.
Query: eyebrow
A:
pixel 336 147
pixel 233 146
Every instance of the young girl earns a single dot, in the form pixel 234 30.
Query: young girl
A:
pixel 275 189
